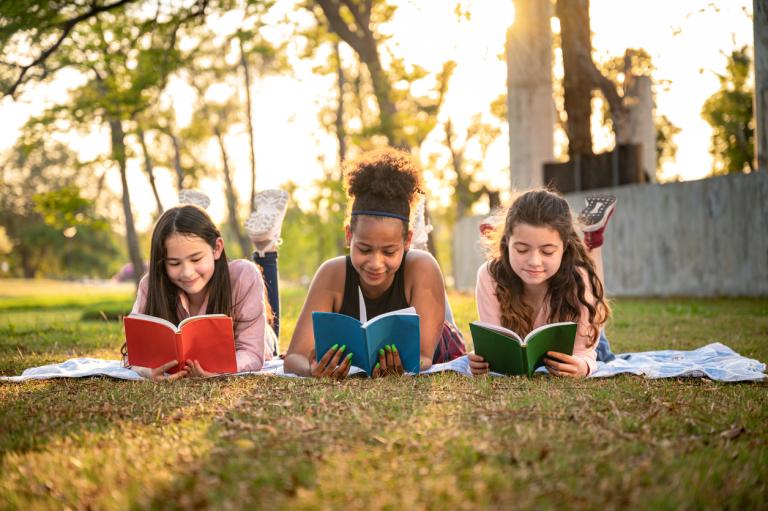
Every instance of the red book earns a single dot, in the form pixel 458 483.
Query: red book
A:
pixel 209 339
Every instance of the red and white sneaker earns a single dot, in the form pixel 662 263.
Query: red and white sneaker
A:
pixel 594 218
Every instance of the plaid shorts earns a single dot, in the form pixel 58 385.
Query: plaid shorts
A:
pixel 450 346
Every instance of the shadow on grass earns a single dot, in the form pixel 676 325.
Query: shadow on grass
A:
pixel 267 449
pixel 35 413
pixel 446 442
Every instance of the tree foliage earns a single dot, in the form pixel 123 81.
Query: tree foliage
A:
pixel 620 70
pixel 729 112
pixel 52 229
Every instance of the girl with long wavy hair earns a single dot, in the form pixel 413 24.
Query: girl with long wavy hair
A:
pixel 540 271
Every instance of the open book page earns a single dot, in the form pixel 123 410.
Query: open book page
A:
pixel 201 316
pixel 332 328
pixel 408 311
pixel 210 340
pixel 535 331
pixel 151 342
pixel 557 337
pixel 364 313
pixel 402 330
pixel 500 329
pixel 502 351
pixel 153 319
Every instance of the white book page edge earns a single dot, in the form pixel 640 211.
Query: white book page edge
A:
pixel 193 318
pixel 544 327
pixel 408 311
pixel 153 319
pixel 500 329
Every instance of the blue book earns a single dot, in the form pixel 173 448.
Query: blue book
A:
pixel 364 338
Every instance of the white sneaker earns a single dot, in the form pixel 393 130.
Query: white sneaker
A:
pixel 265 222
pixel 194 197
pixel 261 248
pixel 421 229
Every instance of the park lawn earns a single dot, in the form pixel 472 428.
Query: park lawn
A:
pixel 437 442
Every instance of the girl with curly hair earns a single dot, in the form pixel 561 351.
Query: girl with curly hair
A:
pixel 382 186
pixel 541 272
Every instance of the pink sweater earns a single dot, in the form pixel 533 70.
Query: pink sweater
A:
pixel 489 310
pixel 254 337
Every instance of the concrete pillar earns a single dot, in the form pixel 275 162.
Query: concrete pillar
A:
pixel 530 109
pixel 642 129
pixel 760 16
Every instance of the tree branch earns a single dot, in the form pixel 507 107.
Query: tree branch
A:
pixel 66 27
pixel 362 18
pixel 331 9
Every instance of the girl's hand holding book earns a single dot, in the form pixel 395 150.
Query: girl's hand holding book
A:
pixel 560 364
pixel 331 364
pixel 477 364
pixel 158 373
pixel 195 370
pixel 389 362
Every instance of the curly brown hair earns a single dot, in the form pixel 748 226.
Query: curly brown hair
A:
pixel 566 293
pixel 385 180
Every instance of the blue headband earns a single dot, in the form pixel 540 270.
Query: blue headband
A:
pixel 380 213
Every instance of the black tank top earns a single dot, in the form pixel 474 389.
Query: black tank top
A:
pixel 391 300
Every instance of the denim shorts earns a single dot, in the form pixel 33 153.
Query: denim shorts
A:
pixel 604 353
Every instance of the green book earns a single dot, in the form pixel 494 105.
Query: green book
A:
pixel 508 353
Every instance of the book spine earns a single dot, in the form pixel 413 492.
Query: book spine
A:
pixel 367 359
pixel 525 361
pixel 180 350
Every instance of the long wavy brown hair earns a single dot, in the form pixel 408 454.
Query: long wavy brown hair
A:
pixel 566 293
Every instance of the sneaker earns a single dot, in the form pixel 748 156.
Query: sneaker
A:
pixel 194 197
pixel 261 248
pixel 594 218
pixel 265 222
pixel 421 229
pixel 486 227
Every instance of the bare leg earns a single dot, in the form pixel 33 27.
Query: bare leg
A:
pixel 596 255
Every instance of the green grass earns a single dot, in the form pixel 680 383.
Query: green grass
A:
pixel 438 442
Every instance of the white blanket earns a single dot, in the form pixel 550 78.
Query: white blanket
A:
pixel 715 361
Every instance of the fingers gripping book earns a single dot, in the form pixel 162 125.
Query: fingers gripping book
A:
pixel 508 353
pixel 209 339
pixel 364 338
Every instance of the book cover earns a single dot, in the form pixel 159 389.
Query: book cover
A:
pixel 364 338
pixel 209 339
pixel 507 353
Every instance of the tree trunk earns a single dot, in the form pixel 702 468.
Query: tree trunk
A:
pixel 530 108
pixel 231 194
pixel 582 76
pixel 361 39
pixel 247 77
pixel 149 169
pixel 118 155
pixel 28 267
pixel 177 161
pixel 575 36
pixel 760 17
pixel 459 191
pixel 340 131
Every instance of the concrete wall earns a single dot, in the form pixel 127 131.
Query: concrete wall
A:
pixel 698 238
